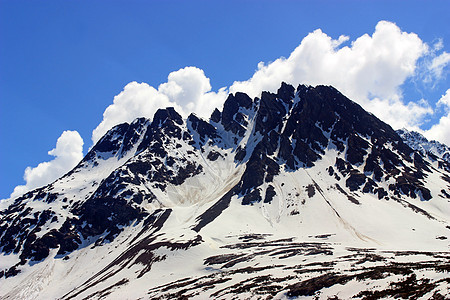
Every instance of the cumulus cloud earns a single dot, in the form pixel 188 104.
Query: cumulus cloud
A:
pixel 191 89
pixel 441 130
pixel 136 100
pixel 186 86
pixel 370 71
pixel 68 152
pixel 398 114
pixel 188 90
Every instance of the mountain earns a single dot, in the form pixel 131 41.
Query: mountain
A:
pixel 418 142
pixel 296 193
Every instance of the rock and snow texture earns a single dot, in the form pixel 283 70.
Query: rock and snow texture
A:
pixel 293 194
pixel 420 143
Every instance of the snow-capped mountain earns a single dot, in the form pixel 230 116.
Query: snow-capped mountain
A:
pixel 418 142
pixel 298 193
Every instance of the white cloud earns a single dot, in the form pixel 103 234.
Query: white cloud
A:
pixel 136 100
pixel 186 86
pixel 445 100
pixel 398 114
pixel 68 152
pixel 438 64
pixel 439 45
pixel 433 67
pixel 191 89
pixel 188 90
pixel 370 71
pixel 441 130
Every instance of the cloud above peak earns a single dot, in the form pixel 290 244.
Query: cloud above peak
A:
pixel 68 153
pixel 136 100
pixel 187 90
pixel 371 65
pixel 186 86
pixel 370 71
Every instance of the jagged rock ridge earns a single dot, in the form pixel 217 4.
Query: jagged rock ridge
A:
pixel 420 143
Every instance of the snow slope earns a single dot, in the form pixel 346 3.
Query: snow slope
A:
pixel 295 194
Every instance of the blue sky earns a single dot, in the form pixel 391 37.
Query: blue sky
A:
pixel 63 62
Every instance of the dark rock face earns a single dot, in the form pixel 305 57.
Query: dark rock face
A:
pixel 205 130
pixel 165 124
pixel 116 142
pixel 355 180
pixel 259 169
pixel 164 115
pixel 216 116
pixel 233 120
pixel 270 193
pixel 133 134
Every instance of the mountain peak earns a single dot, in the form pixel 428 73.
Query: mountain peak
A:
pixel 164 114
pixel 295 174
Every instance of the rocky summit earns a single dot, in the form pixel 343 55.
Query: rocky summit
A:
pixel 299 193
